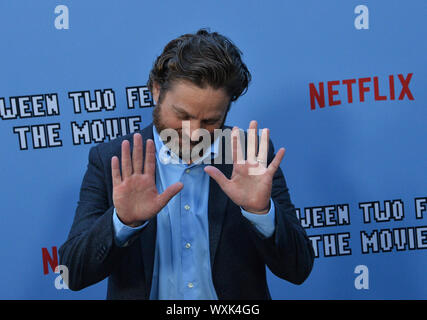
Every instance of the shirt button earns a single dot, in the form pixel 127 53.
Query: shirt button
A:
pixel 188 245
pixel 187 207
pixel 190 285
pixel 187 171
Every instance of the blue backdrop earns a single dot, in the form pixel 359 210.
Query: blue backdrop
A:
pixel 341 87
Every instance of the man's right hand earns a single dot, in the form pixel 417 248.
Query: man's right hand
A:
pixel 135 193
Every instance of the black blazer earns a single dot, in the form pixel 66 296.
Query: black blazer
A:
pixel 238 252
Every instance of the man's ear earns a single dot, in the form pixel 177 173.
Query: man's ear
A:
pixel 156 92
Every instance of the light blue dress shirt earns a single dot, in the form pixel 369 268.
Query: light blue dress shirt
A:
pixel 182 268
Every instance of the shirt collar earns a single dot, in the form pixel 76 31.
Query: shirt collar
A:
pixel 171 157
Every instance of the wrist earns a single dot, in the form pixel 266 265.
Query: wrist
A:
pixel 257 211
pixel 132 224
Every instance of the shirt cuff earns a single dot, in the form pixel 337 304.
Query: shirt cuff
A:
pixel 123 232
pixel 265 223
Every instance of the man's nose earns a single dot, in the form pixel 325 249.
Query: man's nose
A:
pixel 191 128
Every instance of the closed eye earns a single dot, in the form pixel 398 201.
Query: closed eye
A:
pixel 210 121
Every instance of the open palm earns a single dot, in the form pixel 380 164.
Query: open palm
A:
pixel 251 180
pixel 135 194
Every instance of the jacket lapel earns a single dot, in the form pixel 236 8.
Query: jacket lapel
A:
pixel 217 204
pixel 148 236
pixel 148 247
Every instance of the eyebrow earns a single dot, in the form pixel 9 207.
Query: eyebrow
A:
pixel 178 109
pixel 181 111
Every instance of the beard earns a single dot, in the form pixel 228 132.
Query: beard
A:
pixel 184 146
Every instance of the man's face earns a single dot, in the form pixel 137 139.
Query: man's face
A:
pixel 202 108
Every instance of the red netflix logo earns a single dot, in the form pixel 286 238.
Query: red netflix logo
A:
pixel 317 94
pixel 49 260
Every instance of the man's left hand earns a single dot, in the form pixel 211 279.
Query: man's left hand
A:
pixel 251 180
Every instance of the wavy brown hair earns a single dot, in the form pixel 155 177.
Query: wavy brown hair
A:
pixel 204 58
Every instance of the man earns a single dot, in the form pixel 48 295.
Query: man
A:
pixel 164 224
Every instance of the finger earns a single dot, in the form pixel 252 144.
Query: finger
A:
pixel 126 163
pixel 169 193
pixel 236 146
pixel 252 141
pixel 150 158
pixel 137 154
pixel 263 147
pixel 217 175
pixel 115 171
pixel 275 163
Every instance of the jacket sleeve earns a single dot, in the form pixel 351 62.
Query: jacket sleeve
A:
pixel 90 251
pixel 288 252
